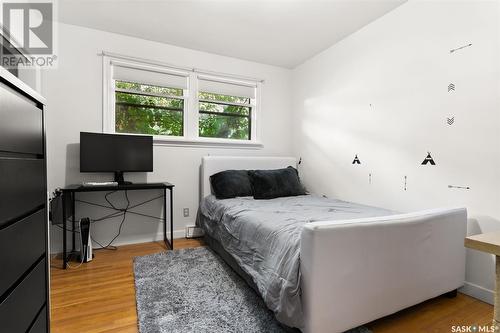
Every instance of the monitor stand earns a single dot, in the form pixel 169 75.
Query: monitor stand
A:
pixel 119 178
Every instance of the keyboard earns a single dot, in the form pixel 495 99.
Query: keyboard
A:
pixel 91 184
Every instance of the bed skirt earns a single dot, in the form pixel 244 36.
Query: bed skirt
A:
pixel 217 248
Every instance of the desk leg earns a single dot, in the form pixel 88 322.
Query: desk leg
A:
pixel 73 210
pixel 496 309
pixel 172 218
pixel 64 230
pixel 165 217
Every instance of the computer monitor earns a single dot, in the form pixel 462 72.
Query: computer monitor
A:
pixel 117 153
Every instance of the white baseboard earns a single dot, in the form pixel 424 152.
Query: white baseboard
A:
pixel 133 239
pixel 148 238
pixel 481 293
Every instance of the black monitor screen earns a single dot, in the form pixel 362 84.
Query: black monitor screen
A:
pixel 115 152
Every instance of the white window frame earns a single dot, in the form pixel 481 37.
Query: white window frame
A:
pixel 190 135
pixel 109 101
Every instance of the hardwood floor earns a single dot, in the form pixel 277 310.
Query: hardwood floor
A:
pixel 99 297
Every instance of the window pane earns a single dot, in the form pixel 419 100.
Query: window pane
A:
pixel 223 98
pixel 224 108
pixel 148 120
pixel 226 127
pixel 144 114
pixel 148 88
pixel 128 98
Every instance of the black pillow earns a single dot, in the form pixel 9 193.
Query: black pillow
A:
pixel 231 183
pixel 269 184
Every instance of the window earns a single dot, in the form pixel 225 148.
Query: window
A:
pixel 148 101
pixel 178 106
pixel 225 109
pixel 221 118
pixel 147 109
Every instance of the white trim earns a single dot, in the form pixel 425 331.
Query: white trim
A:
pixel 190 135
pixel 256 115
pixel 205 142
pixel 224 79
pixel 212 101
pixel 179 141
pixel 165 64
pixel 132 64
pixel 227 75
pixel 190 118
pixel 479 292
pixel 107 93
pixel 133 239
pixel 142 60
pixel 142 93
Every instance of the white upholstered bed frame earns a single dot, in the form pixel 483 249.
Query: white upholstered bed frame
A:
pixel 360 270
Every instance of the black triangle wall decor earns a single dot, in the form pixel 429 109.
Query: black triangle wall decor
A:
pixel 356 160
pixel 429 160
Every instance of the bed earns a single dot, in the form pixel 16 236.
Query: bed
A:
pixel 326 265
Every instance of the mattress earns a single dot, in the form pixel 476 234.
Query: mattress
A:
pixel 263 237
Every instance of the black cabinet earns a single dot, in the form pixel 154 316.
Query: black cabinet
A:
pixel 15 262
pixel 22 187
pixel 21 127
pixel 24 296
pixel 22 305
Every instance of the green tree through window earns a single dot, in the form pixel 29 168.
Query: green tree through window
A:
pixel 156 110
pixel 148 109
pixel 224 116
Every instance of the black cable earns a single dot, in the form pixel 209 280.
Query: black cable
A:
pixel 145 202
pixel 107 217
pixel 128 200
pixel 109 202
pixel 94 204
pixel 114 248
pixel 145 215
pixel 117 212
pixel 108 207
pixel 129 210
pixel 57 225
pixel 124 215
pixel 119 231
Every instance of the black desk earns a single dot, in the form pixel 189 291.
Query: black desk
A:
pixel 69 193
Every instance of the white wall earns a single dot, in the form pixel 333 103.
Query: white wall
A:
pixel 74 95
pixel 382 93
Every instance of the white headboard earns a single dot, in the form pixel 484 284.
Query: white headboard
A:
pixel 212 164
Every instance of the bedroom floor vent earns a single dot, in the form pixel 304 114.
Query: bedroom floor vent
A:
pixel 193 231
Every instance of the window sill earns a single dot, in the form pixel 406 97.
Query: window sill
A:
pixel 206 142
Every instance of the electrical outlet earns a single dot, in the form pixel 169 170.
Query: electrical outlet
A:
pixel 186 212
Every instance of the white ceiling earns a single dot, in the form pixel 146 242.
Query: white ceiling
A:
pixel 276 32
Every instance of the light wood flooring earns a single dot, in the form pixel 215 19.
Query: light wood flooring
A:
pixel 99 297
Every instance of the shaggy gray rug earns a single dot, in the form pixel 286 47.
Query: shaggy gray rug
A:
pixel 193 290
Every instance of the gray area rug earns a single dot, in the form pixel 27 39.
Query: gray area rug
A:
pixel 193 290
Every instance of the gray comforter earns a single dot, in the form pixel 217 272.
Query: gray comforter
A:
pixel 263 236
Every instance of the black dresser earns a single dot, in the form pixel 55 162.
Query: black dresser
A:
pixel 24 291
